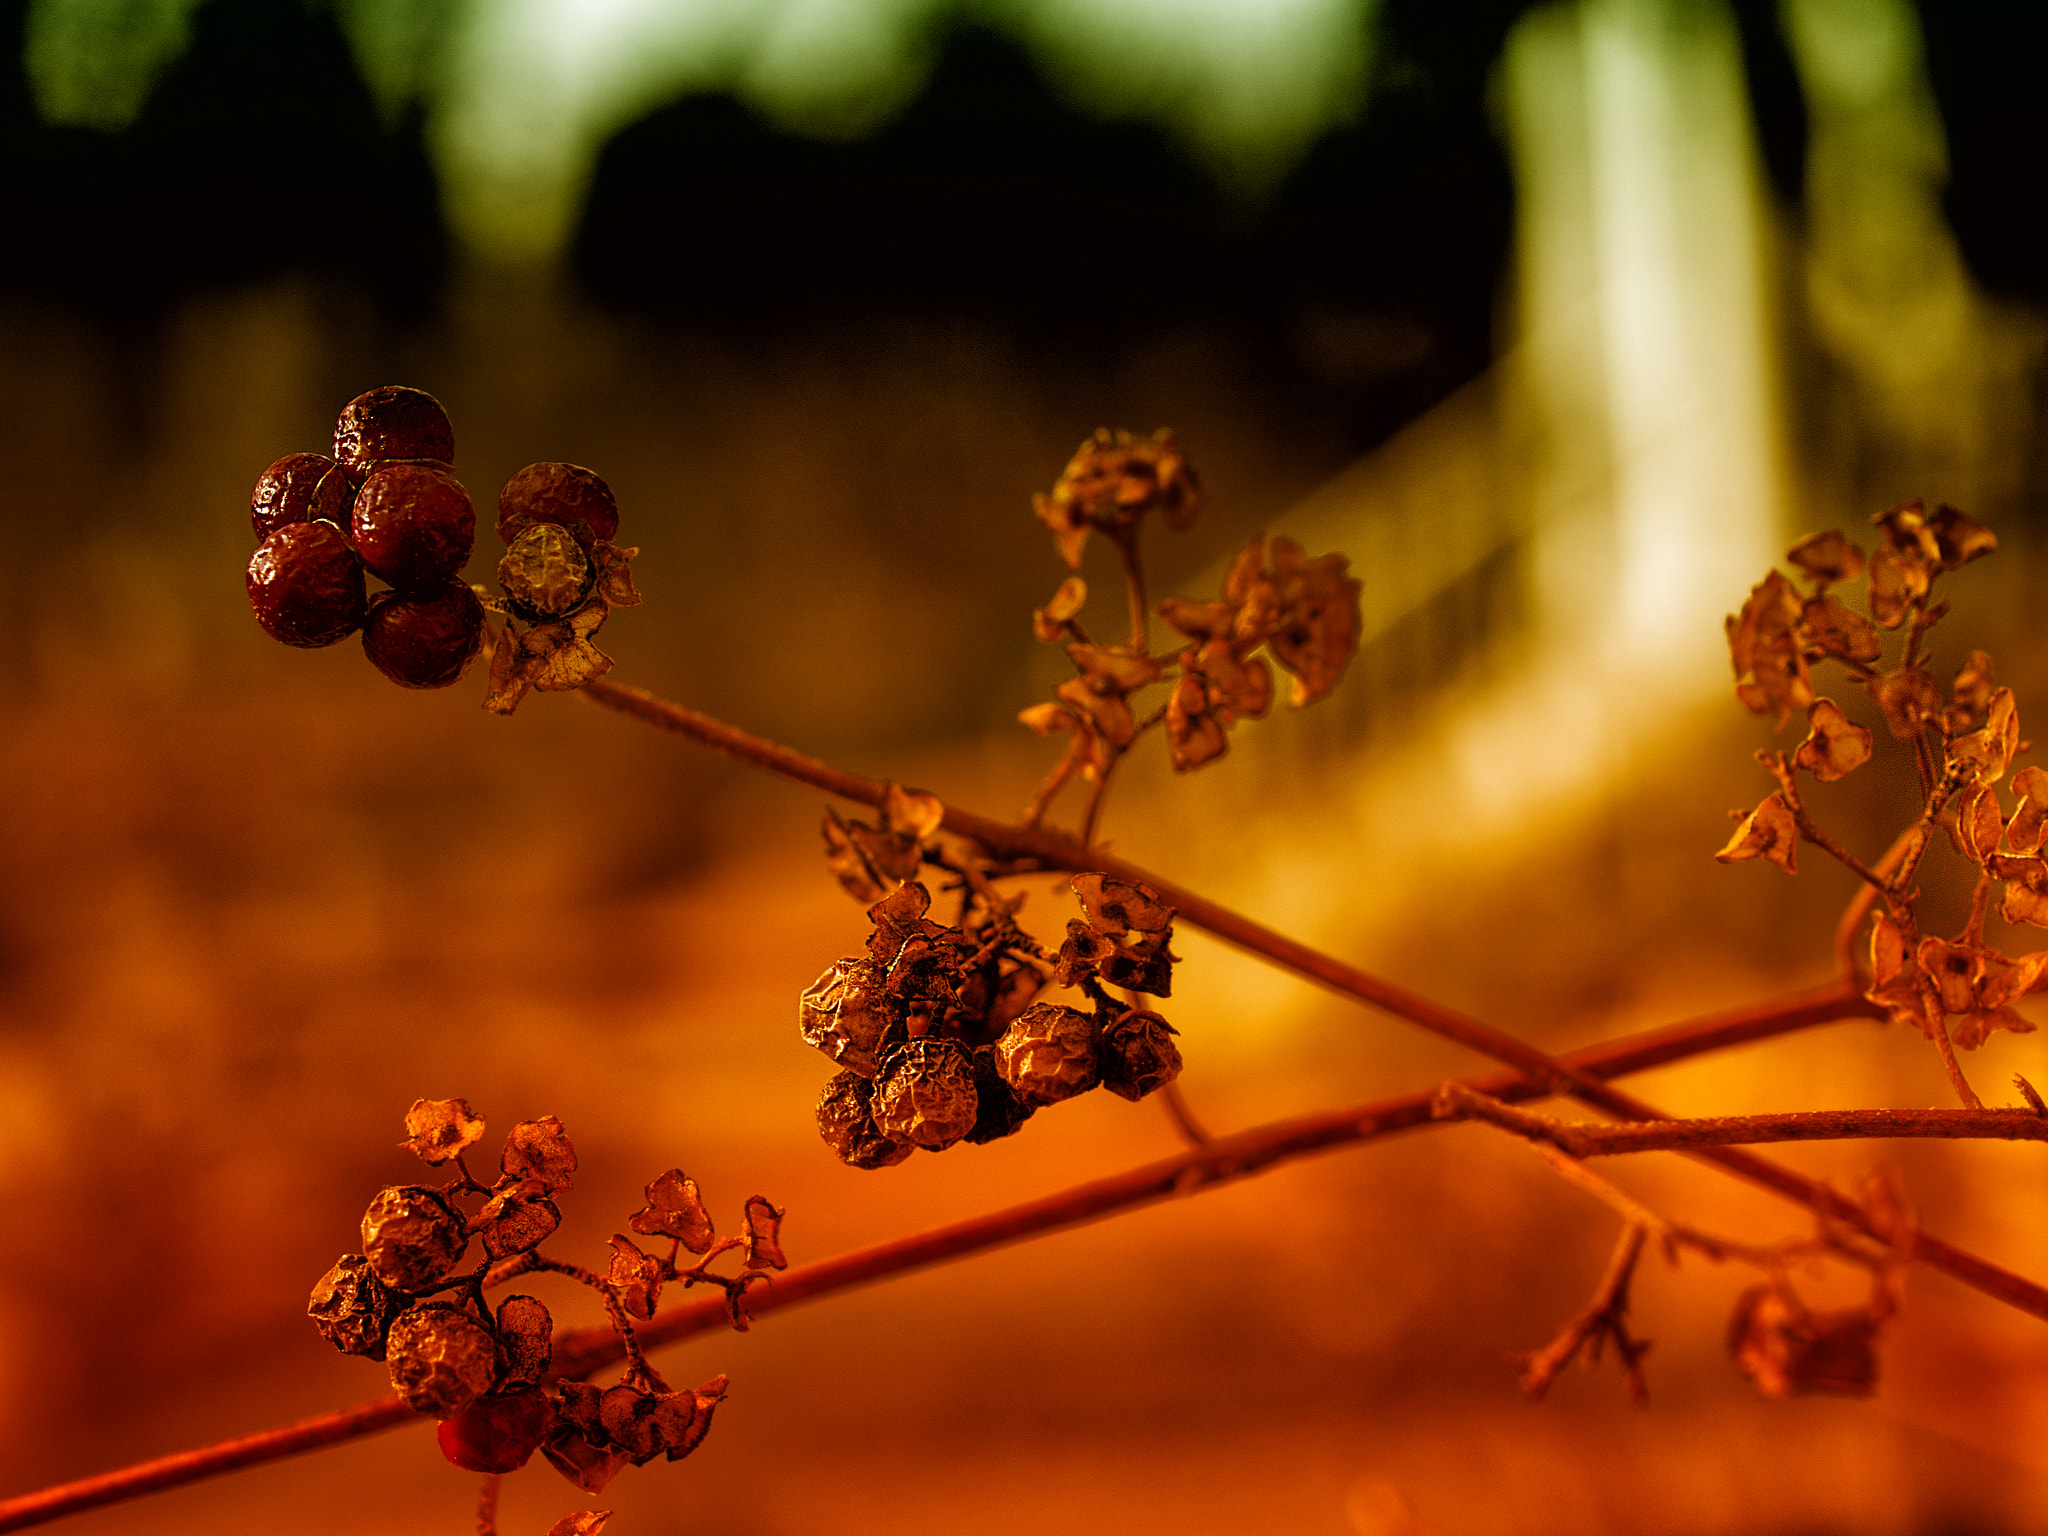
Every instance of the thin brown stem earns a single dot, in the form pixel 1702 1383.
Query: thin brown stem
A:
pixel 1583 1139
pixel 1134 588
pixel 487 1506
pixel 1945 1048
pixel 1602 1321
pixel 1050 785
pixel 1175 1103
pixel 1788 782
pixel 1865 898
pixel 1223 1161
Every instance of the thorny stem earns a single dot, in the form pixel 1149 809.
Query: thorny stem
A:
pixel 487 1506
pixel 1223 1161
pixel 1604 1318
pixel 1594 1139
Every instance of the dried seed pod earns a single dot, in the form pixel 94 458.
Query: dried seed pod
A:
pixel 568 495
pixel 497 1434
pixel 1138 1055
pixel 576 1405
pixel 545 574
pixel 1051 1053
pixel 846 1120
pixel 437 1131
pixel 526 1340
pixel 628 1416
pixel 352 1308
pixel 998 1111
pixel 845 1013
pixel 411 1236
pixel 581 1460
pixel 441 1359
pixel 540 1151
pixel 924 1093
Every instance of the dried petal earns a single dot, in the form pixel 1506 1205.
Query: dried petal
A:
pixel 911 813
pixel 635 1277
pixel 1989 752
pixel 554 657
pixel 1138 1055
pixel 1194 734
pixel 1897 581
pixel 708 1397
pixel 440 1130
pixel 352 1308
pixel 539 1150
pixel 1979 823
pixel 1107 714
pixel 1836 631
pixel 846 1121
pixel 1050 719
pixel 1972 691
pixel 764 1234
pixel 1763 643
pixel 513 1221
pixel 585 1522
pixel 1910 699
pixel 1787 1350
pixel 1200 621
pixel 1972 1030
pixel 1959 537
pixel 1054 622
pixel 2029 825
pixel 1954 969
pixel 1905 529
pixel 1835 745
pixel 615 574
pixel 1317 632
pixel 675 1209
pixel 2026 889
pixel 1050 1054
pixel 582 1462
pixel 1827 556
pixel 627 1414
pixel 526 1340
pixel 1116 907
pixel 441 1359
pixel 869 861
pixel 1113 669
pixel 1767 832
pixel 1113 480
pixel 924 1094
pixel 411 1236
pixel 1894 986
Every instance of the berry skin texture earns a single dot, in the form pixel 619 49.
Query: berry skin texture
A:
pixel 441 1359
pixel 299 488
pixel 411 1236
pixel 845 1012
pixel 393 422
pixel 846 1121
pixel 1049 1054
pixel 413 525
pixel 424 640
pixel 566 494
pixel 925 1094
pixel 497 1434
pixel 306 585
pixel 544 573
pixel 352 1308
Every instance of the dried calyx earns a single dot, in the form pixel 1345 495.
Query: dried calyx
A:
pixel 941 1034
pixel 486 1374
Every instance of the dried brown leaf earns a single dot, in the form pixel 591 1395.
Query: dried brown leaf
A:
pixel 1959 537
pixel 2029 825
pixel 1768 832
pixel 440 1130
pixel 1835 745
pixel 1835 630
pixel 1763 644
pixel 540 1151
pixel 1827 557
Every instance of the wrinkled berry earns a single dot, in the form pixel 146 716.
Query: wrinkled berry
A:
pixel 1050 1053
pixel 424 640
pixel 306 585
pixel 1138 1054
pixel 924 1093
pixel 393 422
pixel 352 1308
pixel 544 573
pixel 526 1339
pixel 413 525
pixel 411 1236
pixel 844 1013
pixel 441 1359
pixel 497 1434
pixel 846 1121
pixel 566 494
pixel 299 488
pixel 998 1111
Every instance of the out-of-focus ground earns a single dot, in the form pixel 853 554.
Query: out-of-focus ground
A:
pixel 258 900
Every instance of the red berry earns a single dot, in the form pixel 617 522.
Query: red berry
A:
pixel 413 525
pixel 392 423
pixel 497 1434
pixel 306 585
pixel 567 494
pixel 299 488
pixel 424 639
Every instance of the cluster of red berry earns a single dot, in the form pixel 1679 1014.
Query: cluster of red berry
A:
pixel 386 504
pixel 485 1372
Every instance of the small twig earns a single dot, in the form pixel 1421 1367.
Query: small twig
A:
pixel 2027 1092
pixel 1093 814
pixel 1456 1101
pixel 1175 1103
pixel 1780 765
pixel 487 1506
pixel 1945 1048
pixel 1134 587
pixel 1604 1319
pixel 1864 899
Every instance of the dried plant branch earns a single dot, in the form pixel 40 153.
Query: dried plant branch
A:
pixel 1224 1160
pixel 1603 1320
pixel 487 1506
pixel 1176 1105
pixel 1455 1101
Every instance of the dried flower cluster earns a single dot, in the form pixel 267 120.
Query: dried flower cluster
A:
pixel 387 504
pixel 940 1035
pixel 484 1372
pixel 1301 611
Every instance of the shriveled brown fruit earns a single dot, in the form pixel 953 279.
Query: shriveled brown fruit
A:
pixel 998 1111
pixel 441 1359
pixel 526 1340
pixel 352 1308
pixel 1050 1054
pixel 300 488
pixel 1138 1055
pixel 306 585
pixel 424 639
pixel 924 1093
pixel 411 1236
pixel 846 1011
pixel 497 1432
pixel 515 1222
pixel 846 1122
pixel 413 525
pixel 545 573
pixel 566 495
pixel 392 422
